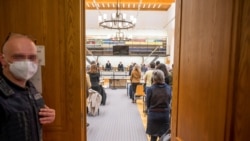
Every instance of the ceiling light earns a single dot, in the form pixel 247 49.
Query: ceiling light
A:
pixel 120 36
pixel 117 20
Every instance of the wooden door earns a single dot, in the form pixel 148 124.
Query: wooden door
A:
pixel 210 87
pixel 59 26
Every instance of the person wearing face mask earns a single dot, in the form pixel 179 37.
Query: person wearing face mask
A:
pixel 22 107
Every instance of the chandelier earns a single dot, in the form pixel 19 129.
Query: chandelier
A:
pixel 120 36
pixel 117 21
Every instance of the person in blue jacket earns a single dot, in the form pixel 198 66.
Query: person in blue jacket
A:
pixel 158 98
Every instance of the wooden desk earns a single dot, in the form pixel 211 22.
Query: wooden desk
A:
pixel 115 79
pixel 117 83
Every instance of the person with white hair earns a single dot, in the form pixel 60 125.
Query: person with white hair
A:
pixel 158 98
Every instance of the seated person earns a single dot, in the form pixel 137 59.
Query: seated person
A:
pixel 108 66
pixel 120 67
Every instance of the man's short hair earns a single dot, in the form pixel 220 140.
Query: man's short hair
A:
pixel 92 62
pixel 157 63
pixel 152 65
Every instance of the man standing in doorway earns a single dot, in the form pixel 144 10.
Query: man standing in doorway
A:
pixel 22 107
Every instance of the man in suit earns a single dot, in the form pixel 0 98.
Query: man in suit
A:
pixel 108 66
pixel 120 67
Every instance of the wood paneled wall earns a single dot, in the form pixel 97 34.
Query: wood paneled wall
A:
pixel 211 91
pixel 240 123
pixel 59 26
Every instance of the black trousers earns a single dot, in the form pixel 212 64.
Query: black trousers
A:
pixel 134 85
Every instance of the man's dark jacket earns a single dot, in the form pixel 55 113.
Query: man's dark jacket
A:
pixel 19 107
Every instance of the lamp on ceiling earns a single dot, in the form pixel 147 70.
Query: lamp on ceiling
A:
pixel 120 36
pixel 117 21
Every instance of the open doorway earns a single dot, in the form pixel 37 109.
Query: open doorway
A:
pixel 154 31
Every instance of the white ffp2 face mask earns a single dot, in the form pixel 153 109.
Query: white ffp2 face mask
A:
pixel 23 69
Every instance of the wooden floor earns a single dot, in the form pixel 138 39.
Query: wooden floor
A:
pixel 142 114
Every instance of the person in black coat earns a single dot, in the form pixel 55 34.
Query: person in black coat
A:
pixel 157 63
pixel 23 111
pixel 120 67
pixel 108 66
pixel 163 68
pixel 158 98
pixel 94 76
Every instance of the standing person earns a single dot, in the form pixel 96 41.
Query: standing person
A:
pixel 98 66
pixel 157 63
pixel 97 63
pixel 88 86
pixel 88 81
pixel 108 66
pixel 120 67
pixel 171 75
pixel 93 62
pixel 148 76
pixel 88 68
pixel 22 107
pixel 144 68
pixel 94 75
pixel 158 99
pixel 131 68
pixel 163 67
pixel 135 80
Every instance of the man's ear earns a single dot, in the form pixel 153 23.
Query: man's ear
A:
pixel 1 57
pixel 2 61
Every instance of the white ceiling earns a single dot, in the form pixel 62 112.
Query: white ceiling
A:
pixel 151 24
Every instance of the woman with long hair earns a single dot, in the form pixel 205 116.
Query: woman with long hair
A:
pixel 94 75
pixel 135 78
pixel 163 68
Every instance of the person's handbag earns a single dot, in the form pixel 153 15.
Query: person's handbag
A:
pixel 166 136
